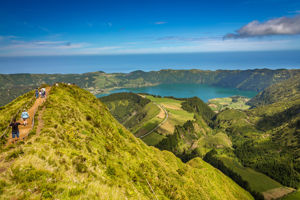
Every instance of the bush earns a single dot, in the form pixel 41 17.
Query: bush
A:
pixel 14 154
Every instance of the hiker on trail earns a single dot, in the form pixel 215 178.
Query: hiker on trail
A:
pixel 36 93
pixel 15 129
pixel 25 116
pixel 43 91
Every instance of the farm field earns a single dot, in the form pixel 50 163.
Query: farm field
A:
pixel 235 102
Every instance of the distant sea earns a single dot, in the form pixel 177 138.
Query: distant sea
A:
pixel 148 62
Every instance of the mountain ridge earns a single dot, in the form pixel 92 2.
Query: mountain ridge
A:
pixel 13 85
pixel 83 152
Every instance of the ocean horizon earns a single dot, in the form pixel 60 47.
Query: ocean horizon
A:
pixel 151 62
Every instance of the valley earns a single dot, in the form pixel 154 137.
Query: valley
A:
pixel 236 136
pixel 150 100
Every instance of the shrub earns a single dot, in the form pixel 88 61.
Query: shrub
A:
pixel 14 154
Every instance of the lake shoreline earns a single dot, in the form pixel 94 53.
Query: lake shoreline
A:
pixel 203 91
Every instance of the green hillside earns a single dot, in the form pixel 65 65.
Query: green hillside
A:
pixel 257 148
pixel 82 152
pixel 13 85
pixel 284 91
pixel 130 109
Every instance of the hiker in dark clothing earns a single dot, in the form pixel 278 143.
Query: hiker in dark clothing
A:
pixel 15 129
pixel 37 93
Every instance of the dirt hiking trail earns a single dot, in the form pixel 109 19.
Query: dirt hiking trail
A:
pixel 24 130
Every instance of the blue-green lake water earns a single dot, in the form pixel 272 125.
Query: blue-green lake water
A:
pixel 204 92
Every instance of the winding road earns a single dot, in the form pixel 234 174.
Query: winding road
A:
pixel 161 123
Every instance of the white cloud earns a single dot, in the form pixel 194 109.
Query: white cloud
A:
pixel 160 22
pixel 277 26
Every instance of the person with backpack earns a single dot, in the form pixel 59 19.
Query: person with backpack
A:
pixel 25 116
pixel 36 93
pixel 15 128
pixel 43 92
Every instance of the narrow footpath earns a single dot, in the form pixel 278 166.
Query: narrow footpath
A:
pixel 24 130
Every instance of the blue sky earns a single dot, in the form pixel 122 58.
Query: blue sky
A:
pixel 65 27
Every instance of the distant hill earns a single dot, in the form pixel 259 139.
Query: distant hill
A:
pixel 13 85
pixel 82 152
pixel 286 90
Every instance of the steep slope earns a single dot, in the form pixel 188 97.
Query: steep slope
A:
pixel 133 111
pixel 284 91
pixel 82 152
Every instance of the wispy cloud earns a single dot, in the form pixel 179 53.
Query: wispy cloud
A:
pixel 160 22
pixel 277 26
pixel 186 39
pixel 18 45
pixel 52 47
pixel 7 37
pixel 295 12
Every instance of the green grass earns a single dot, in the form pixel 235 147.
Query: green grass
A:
pixel 177 116
pixel 292 196
pixel 208 142
pixel 153 139
pixel 13 110
pixel 219 104
pixel 257 181
pixel 163 100
pixel 82 152
pixel 149 122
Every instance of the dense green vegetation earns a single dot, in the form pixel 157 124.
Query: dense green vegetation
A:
pixel 284 91
pixel 197 106
pixel 136 113
pixel 125 106
pixel 194 138
pixel 13 85
pixel 266 138
pixel 82 152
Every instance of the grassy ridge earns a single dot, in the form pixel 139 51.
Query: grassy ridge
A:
pixel 82 152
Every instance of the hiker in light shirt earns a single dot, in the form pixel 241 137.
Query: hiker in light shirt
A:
pixel 25 116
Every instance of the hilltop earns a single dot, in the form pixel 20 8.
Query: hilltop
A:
pixel 13 85
pixel 80 151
